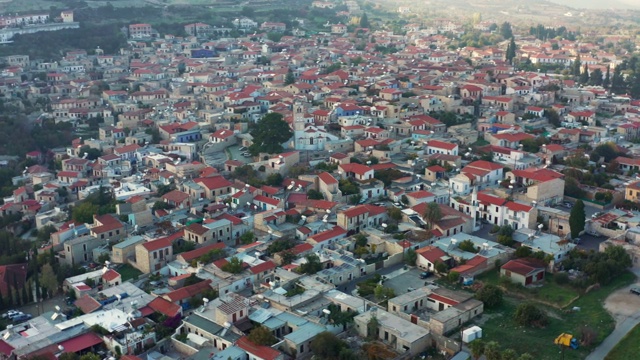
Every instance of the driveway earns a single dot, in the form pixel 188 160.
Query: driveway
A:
pixel 623 306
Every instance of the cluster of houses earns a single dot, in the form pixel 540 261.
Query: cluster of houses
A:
pixel 372 141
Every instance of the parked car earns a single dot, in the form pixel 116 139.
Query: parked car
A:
pixel 10 313
pixel 242 148
pixel 568 205
pixel 425 274
pixel 635 290
pixel 577 241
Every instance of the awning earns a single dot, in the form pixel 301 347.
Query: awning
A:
pixel 81 342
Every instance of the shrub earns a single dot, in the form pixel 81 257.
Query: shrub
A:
pixel 561 278
pixel 495 229
pixel 490 295
pixel 528 314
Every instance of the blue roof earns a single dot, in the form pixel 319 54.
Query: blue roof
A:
pixel 128 242
pixel 274 323
pixel 291 319
pixel 305 333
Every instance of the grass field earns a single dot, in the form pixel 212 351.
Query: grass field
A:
pixel 128 272
pixel 552 293
pixel 501 328
pixel 628 347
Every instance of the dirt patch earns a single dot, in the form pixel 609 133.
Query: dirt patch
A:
pixel 622 303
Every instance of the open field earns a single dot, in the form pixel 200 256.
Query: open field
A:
pixel 550 293
pixel 500 326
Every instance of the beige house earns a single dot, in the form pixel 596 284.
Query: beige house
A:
pixel 394 331
pixel 154 255
pixel 122 251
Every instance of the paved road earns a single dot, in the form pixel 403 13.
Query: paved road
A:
pixel 612 340
pixel 622 328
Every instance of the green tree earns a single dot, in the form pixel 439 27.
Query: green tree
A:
pixel 314 194
pixel 91 153
pixel 490 295
pixel 607 78
pixel 269 134
pixel 84 212
pixel 339 317
pixel 506 31
pixel 260 335
pixel 410 257
pixel 432 214
pixel 311 266
pixel 511 50
pixel 553 117
pixel 326 345
pixel 247 238
pixel 90 356
pixel 508 354
pixel 453 277
pixel 468 246
pixel 584 75
pixel 477 348
pixel 528 314
pixel 289 78
pixel 394 213
pixel 492 350
pixel 577 218
pixel 383 293
pixel 441 267
pixel 526 356
pixel 364 21
pixel 576 66
pixel 68 356
pixel 234 266
pixel 49 280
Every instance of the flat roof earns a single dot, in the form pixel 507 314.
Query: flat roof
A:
pixel 305 332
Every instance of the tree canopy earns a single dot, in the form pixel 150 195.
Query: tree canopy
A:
pixel 260 335
pixel 577 218
pixel 269 134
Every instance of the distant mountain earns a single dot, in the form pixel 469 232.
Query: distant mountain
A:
pixel 599 4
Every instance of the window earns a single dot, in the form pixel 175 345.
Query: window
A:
pixel 155 254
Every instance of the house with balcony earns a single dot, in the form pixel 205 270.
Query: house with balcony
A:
pixel 361 217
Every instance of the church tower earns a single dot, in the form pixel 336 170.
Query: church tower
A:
pixel 298 116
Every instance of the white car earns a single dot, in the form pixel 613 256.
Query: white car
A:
pixel 10 314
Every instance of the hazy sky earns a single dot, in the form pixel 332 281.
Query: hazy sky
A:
pixel 600 4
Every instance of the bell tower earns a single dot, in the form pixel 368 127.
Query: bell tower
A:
pixel 298 116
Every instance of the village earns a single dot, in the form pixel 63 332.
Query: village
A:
pixel 252 198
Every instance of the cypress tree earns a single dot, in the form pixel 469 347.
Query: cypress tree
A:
pixel 577 219
pixel 607 78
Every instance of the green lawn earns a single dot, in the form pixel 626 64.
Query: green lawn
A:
pixel 552 293
pixel 628 347
pixel 539 342
pixel 128 272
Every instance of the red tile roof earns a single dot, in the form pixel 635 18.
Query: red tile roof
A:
pixel 433 254
pixel 443 299
pixel 215 182
pixel 262 352
pixel 522 267
pixel 335 233
pixel 5 348
pixel 327 178
pixel 265 266
pixel 188 292
pixel 194 254
pixel 110 275
pixel 81 342
pixel 441 144
pixel 87 304
pixel 164 307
